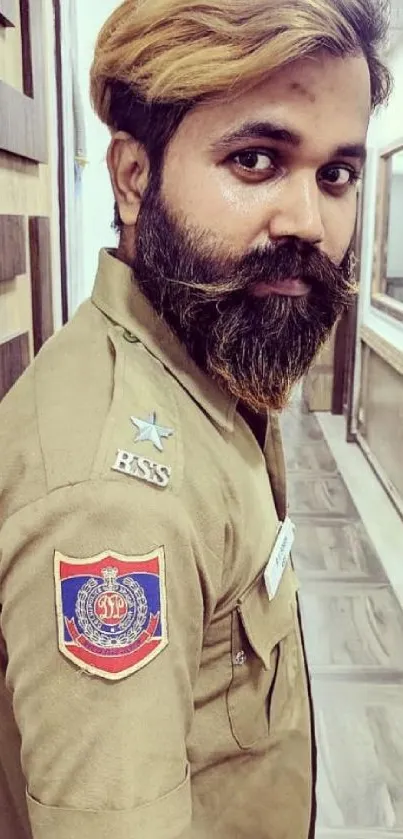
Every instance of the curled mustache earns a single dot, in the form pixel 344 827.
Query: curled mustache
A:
pixel 190 282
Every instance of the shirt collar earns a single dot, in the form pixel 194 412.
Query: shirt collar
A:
pixel 117 295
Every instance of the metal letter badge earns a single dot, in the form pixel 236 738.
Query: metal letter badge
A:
pixel 111 611
pixel 149 430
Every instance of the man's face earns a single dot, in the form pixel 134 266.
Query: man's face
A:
pixel 239 245
pixel 258 189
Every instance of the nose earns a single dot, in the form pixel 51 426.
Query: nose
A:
pixel 298 211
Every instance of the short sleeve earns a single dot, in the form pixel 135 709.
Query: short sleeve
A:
pixel 102 616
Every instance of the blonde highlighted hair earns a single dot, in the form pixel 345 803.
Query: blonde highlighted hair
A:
pixel 170 51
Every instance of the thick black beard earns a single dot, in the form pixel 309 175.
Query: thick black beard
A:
pixel 255 348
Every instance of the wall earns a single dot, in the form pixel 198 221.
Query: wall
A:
pixel 93 197
pixel 382 423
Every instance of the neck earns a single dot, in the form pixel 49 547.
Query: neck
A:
pixel 126 247
pixel 257 423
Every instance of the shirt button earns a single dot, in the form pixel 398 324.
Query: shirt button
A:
pixel 240 659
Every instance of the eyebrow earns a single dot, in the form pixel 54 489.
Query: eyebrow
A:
pixel 357 150
pixel 258 131
pixel 273 131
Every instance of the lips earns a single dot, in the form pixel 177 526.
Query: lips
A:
pixel 291 287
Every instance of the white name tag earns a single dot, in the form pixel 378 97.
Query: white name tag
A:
pixel 279 557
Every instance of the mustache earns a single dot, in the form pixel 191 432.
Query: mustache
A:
pixel 287 260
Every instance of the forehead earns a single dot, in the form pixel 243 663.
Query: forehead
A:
pixel 325 99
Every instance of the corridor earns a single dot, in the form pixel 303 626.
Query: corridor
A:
pixel 353 626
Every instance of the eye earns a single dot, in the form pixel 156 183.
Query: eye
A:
pixel 253 161
pixel 339 177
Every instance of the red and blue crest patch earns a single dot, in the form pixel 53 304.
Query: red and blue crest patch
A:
pixel 111 611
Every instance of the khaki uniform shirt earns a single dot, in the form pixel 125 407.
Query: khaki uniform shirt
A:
pixel 148 687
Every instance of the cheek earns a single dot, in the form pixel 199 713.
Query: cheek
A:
pixel 339 226
pixel 207 198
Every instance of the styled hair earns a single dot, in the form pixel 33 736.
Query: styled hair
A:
pixel 156 59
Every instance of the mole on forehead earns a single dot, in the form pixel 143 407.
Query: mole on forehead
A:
pixel 303 91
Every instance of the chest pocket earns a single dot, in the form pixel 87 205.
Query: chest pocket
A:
pixel 261 633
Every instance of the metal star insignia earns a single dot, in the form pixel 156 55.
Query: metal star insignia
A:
pixel 149 430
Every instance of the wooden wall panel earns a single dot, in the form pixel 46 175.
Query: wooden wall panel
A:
pixel 11 54
pixel 23 129
pixel 12 247
pixel 14 359
pixel 41 280
pixel 8 12
pixel 28 186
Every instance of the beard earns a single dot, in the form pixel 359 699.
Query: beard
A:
pixel 255 348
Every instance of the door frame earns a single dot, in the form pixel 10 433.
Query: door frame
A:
pixel 348 356
pixel 61 166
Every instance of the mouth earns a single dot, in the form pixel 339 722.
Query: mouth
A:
pixel 291 287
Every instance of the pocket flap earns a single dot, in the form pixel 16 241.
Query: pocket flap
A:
pixel 267 622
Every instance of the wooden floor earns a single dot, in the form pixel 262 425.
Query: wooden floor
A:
pixel 353 627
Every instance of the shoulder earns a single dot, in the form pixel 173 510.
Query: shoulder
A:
pixel 100 415
pixel 84 387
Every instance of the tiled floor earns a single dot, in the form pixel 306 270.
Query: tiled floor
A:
pixel 353 625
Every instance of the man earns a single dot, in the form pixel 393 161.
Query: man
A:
pixel 153 673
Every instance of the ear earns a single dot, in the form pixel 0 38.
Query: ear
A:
pixel 129 169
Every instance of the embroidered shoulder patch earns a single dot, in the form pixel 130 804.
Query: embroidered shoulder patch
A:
pixel 111 611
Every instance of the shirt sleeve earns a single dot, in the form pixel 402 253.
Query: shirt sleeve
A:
pixel 104 731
